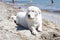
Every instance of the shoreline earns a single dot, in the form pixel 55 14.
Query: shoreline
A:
pixel 48 8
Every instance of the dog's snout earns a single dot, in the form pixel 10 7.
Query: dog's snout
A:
pixel 28 15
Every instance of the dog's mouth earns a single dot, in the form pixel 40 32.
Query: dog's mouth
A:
pixel 30 18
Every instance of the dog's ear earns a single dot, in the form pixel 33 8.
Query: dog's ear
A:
pixel 39 11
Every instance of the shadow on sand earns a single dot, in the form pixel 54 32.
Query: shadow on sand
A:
pixel 20 27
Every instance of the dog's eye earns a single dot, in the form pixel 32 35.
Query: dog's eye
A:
pixel 32 11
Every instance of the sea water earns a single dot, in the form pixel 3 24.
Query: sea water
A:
pixel 42 4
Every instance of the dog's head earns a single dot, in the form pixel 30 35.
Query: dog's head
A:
pixel 33 12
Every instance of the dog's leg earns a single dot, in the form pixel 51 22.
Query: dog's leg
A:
pixel 14 18
pixel 39 29
pixel 33 31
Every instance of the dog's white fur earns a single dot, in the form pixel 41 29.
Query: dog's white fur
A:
pixel 20 19
pixel 31 19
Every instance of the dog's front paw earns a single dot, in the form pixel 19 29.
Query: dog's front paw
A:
pixel 34 32
pixel 39 30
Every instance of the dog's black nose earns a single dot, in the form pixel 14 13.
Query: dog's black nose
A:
pixel 28 15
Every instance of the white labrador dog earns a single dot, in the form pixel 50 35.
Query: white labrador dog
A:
pixel 34 19
pixel 31 19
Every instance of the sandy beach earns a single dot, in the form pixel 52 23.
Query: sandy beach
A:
pixel 10 31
